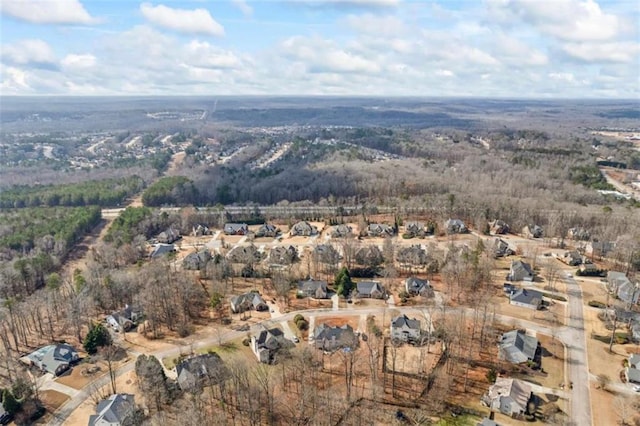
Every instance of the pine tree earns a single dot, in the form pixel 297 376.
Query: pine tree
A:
pixel 97 336
pixel 343 282
pixel 10 404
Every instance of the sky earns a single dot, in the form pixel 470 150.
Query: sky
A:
pixel 461 48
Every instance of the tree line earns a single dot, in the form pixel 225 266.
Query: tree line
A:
pixel 105 193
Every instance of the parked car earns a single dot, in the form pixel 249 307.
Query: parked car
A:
pixel 636 388
pixel 295 339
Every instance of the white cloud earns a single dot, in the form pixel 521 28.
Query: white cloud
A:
pixel 47 11
pixel 374 24
pixel 571 20
pixel 29 51
pixel 566 77
pixel 444 73
pixel 623 52
pixel 204 55
pixel 14 81
pixel 354 3
pixel 243 6
pixel 195 21
pixel 324 56
pixel 75 61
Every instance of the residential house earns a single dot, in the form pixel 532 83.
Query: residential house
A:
pixel 169 236
pixel 416 286
pixel 267 230
pixel 380 230
pixel 632 371
pixel 415 229
pixel 530 299
pixel 623 288
pixel 245 254
pixel 571 258
pixel 502 248
pixel 282 255
pixel 313 288
pixel 405 329
pixel 54 359
pixel 196 261
pixel 370 290
pixel 533 231
pixel 161 249
pixel 516 347
pixel 455 226
pixel 303 228
pixel 340 231
pixel 117 410
pixel 498 227
pixel 200 371
pixel 579 234
pixel 326 253
pixel 236 229
pixel 369 255
pixel 248 301
pixel 599 249
pixel 520 271
pixel 413 255
pixel 124 320
pixel 509 396
pixel 330 338
pixel 200 230
pixel 268 343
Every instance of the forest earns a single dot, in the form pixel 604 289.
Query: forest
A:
pixel 104 193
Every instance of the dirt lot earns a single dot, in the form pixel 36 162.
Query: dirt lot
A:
pixel 52 399
pixel 413 360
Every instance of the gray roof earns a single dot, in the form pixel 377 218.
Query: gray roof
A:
pixel 232 228
pixel 312 286
pixel 251 300
pixel 417 285
pixel 379 228
pixel 633 374
pixel 516 347
pixel 113 410
pixel 331 338
pixel 161 249
pixel 487 422
pixel 206 366
pixel 271 339
pixel 521 268
pixel 530 297
pixel 518 390
pixel 634 360
pixel 402 321
pixel 368 287
pixel 50 358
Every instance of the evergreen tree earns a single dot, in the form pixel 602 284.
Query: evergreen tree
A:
pixel 10 404
pixel 343 282
pixel 97 336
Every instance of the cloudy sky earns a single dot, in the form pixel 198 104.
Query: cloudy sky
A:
pixel 487 48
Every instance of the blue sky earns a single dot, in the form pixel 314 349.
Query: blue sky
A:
pixel 484 48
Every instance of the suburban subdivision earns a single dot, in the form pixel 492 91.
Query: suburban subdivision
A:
pixel 205 271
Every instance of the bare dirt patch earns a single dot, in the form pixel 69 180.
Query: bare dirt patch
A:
pixel 82 374
pixel 52 399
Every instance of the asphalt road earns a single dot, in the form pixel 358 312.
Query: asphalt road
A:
pixel 574 338
pixel 580 403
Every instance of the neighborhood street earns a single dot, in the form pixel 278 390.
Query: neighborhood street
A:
pixel 572 336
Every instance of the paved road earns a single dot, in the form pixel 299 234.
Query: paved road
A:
pixel 575 340
pixel 74 402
